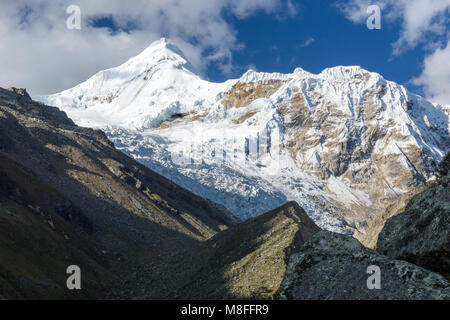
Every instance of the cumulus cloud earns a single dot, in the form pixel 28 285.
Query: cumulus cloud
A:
pixel 39 52
pixel 435 77
pixel 419 18
pixel 424 22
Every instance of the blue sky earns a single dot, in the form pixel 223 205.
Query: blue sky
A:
pixel 275 45
pixel 319 36
pixel 223 38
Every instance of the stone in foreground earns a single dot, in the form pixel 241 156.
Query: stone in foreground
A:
pixel 334 266
pixel 421 234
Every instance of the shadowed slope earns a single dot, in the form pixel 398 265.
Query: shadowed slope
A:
pixel 246 261
pixel 112 209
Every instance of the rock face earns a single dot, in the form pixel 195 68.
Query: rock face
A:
pixel 369 236
pixel 421 234
pixel 334 266
pixel 251 257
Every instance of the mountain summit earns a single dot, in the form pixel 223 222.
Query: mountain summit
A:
pixel 159 53
pixel 140 93
pixel 343 143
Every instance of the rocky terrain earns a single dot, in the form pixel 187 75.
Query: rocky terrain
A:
pixel 282 254
pixel 421 233
pixel 334 266
pixel 246 261
pixel 412 252
pixel 249 260
pixel 369 235
pixel 37 243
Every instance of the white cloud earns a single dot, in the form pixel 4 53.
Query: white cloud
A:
pixel 419 18
pixel 309 41
pixel 251 66
pixel 424 22
pixel 356 10
pixel 292 9
pixel 435 77
pixel 40 53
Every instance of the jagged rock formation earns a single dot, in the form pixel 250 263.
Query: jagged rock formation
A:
pixel 67 196
pixel 421 233
pixel 334 266
pixel 344 143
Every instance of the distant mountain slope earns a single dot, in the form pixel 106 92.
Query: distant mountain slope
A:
pixel 67 196
pixel 343 143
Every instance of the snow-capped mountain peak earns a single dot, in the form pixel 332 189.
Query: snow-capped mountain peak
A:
pixel 161 53
pixel 342 143
pixel 140 93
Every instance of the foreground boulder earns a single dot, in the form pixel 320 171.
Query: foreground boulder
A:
pixel 421 234
pixel 334 266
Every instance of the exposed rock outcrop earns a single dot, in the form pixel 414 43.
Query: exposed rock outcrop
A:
pixel 369 235
pixel 421 234
pixel 334 266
